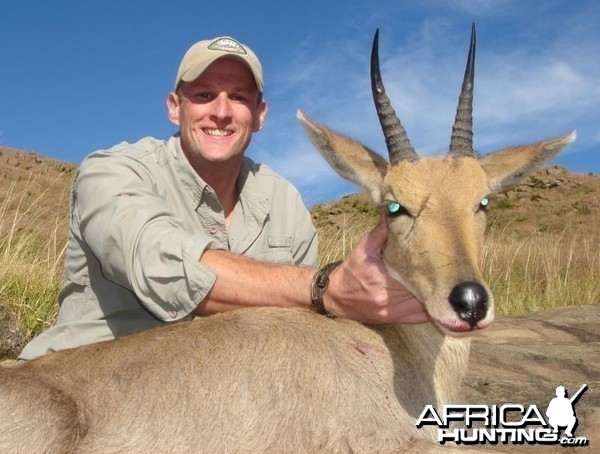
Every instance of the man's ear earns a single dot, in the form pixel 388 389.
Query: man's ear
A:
pixel 173 108
pixel 261 114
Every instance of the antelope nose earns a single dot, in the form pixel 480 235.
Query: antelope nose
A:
pixel 470 301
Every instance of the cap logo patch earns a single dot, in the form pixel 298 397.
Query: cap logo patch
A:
pixel 227 45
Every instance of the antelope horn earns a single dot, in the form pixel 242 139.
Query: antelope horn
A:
pixel 461 143
pixel 396 139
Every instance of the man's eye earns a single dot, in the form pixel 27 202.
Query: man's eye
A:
pixel 203 95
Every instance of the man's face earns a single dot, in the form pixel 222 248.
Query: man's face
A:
pixel 218 112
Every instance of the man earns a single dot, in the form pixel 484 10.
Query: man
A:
pixel 161 230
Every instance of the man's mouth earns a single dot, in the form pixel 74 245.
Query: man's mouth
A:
pixel 217 132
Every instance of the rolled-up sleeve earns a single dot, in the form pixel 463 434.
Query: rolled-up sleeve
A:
pixel 140 243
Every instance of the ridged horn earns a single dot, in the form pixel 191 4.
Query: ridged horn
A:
pixel 461 143
pixel 396 139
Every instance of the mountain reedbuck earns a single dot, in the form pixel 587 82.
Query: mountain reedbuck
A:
pixel 289 380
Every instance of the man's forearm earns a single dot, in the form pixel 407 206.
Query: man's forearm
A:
pixel 359 289
pixel 245 282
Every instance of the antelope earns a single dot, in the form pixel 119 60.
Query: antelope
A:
pixel 290 380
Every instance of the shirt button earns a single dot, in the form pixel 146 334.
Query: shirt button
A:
pixel 213 230
pixel 173 313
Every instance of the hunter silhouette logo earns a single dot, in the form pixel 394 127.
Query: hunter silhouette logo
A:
pixel 560 410
pixel 507 423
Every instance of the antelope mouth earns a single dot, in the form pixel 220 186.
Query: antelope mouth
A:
pixel 458 327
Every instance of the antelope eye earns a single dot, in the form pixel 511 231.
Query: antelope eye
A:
pixel 395 209
pixel 484 202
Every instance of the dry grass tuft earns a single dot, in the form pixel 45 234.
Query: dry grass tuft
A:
pixel 336 241
pixel 542 271
pixel 30 264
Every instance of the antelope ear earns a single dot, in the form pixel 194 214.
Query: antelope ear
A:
pixel 349 158
pixel 508 167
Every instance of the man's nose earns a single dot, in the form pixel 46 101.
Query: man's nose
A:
pixel 221 106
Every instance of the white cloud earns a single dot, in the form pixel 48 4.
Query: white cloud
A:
pixel 481 7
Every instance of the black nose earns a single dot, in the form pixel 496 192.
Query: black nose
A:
pixel 470 301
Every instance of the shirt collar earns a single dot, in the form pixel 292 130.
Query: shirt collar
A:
pixel 252 199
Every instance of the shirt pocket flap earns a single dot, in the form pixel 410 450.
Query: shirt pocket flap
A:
pixel 279 241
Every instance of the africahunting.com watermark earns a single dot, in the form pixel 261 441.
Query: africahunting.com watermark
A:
pixel 507 423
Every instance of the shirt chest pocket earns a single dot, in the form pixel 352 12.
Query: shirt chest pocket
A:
pixel 278 249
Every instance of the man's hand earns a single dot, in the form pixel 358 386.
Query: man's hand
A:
pixel 361 288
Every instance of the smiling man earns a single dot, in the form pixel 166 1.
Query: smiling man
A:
pixel 162 231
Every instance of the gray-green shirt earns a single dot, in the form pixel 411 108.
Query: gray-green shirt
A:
pixel 140 220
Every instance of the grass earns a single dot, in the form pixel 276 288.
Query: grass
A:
pixel 32 250
pixel 542 271
pixel 336 241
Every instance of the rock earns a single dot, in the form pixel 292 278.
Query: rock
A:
pixel 11 339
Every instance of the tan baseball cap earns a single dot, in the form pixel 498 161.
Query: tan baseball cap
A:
pixel 203 53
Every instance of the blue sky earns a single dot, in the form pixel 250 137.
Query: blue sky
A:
pixel 84 75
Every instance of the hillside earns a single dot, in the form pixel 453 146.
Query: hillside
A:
pixel 34 194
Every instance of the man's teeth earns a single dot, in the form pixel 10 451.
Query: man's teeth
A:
pixel 218 132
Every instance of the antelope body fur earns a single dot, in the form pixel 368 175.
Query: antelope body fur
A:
pixel 289 380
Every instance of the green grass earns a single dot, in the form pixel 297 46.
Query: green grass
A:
pixel 504 204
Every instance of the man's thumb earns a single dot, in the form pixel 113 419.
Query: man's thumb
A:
pixel 376 238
